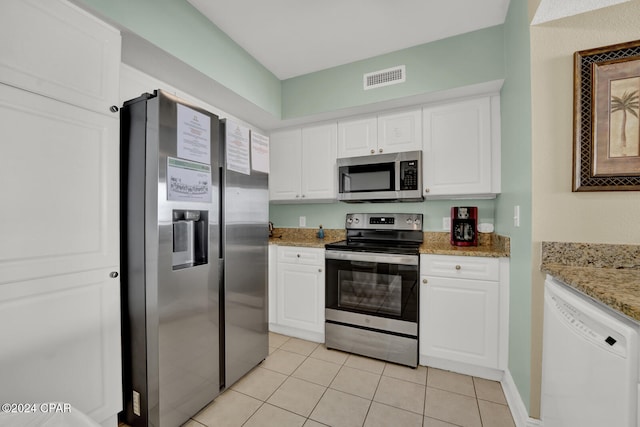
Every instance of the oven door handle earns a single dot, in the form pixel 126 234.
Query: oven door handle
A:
pixel 373 257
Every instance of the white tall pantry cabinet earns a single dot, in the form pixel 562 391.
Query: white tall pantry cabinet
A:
pixel 59 257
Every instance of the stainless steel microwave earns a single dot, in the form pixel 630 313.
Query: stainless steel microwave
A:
pixel 382 177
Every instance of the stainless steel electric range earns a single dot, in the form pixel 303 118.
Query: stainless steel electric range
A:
pixel 372 289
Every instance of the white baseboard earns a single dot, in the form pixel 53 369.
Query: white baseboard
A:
pixel 297 333
pixel 462 368
pixel 516 405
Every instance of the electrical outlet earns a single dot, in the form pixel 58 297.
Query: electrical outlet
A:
pixel 446 223
pixel 302 221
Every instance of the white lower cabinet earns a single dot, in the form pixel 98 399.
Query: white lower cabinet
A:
pixel 273 279
pixel 464 314
pixel 299 299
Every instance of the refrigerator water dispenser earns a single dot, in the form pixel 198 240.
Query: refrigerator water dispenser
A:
pixel 190 243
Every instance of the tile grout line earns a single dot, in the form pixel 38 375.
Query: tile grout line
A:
pixel 475 391
pixel 374 395
pixel 323 393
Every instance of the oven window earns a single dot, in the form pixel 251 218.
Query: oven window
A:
pixel 370 292
pixel 387 290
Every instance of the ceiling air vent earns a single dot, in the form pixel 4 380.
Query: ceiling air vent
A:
pixel 387 77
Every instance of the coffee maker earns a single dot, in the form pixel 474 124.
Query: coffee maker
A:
pixel 464 226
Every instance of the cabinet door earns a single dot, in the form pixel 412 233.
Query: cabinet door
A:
pixel 319 162
pixel 457 148
pixel 400 132
pixel 301 297
pixel 62 210
pixel 459 320
pixel 285 169
pixel 273 279
pixel 60 51
pixel 358 137
pixel 61 342
pixel 59 309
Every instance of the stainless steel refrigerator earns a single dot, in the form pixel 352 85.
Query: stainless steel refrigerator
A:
pixel 194 236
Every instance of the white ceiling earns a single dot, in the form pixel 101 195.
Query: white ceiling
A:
pixel 550 10
pixel 295 37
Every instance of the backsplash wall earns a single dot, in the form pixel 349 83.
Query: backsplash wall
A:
pixel 332 215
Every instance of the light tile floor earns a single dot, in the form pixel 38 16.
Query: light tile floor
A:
pixel 302 383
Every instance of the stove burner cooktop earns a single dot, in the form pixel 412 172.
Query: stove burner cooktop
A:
pixel 381 233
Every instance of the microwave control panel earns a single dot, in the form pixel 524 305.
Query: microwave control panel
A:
pixel 408 175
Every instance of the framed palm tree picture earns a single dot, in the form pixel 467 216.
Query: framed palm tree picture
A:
pixel 606 127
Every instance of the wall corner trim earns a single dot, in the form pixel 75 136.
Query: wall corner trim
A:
pixel 516 405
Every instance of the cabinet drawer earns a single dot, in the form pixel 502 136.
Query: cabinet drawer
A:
pixel 298 255
pixel 460 267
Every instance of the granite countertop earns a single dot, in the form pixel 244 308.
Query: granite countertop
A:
pixel 609 274
pixel 490 245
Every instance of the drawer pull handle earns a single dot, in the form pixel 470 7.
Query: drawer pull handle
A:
pixel 424 281
pixel 319 270
pixel 458 267
pixel 298 255
pixel 373 151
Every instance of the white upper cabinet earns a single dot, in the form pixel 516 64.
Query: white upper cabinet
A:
pixel 55 49
pixel 461 149
pixel 319 162
pixel 303 164
pixel 285 170
pixel 357 137
pixel 400 132
pixel 387 133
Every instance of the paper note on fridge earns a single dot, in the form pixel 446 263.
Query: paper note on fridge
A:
pixel 188 181
pixel 194 135
pixel 259 152
pixel 237 146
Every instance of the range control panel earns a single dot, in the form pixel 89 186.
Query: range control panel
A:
pixel 384 221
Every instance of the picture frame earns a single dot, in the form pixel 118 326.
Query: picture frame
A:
pixel 606 118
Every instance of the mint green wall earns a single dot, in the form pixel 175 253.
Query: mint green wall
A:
pixel 516 190
pixel 453 62
pixel 178 28
pixel 332 215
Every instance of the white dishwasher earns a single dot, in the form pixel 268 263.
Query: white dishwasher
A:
pixel 589 362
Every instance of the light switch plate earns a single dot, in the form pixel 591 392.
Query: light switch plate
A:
pixel 302 221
